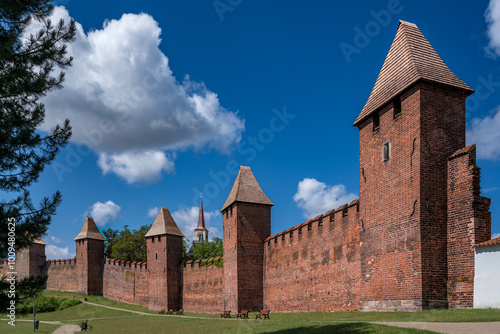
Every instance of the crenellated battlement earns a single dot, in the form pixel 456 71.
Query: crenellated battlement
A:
pixel 59 262
pixel 197 264
pixel 127 264
pixel 314 226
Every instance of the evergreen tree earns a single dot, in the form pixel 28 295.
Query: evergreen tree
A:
pixel 26 66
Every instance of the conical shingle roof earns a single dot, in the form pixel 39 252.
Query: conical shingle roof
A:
pixel 246 189
pixel 89 231
pixel 164 224
pixel 40 241
pixel 410 58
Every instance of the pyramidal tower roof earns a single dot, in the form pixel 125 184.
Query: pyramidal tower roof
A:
pixel 39 241
pixel 410 58
pixel 246 189
pixel 89 231
pixel 201 218
pixel 164 224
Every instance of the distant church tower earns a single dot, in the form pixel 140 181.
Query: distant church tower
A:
pixel 200 233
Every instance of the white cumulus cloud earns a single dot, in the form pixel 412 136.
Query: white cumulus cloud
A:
pixel 54 253
pixel 153 212
pixel 125 103
pixel 495 235
pixel 485 133
pixel 315 197
pixel 136 166
pixel 493 20
pixel 104 213
pixel 187 220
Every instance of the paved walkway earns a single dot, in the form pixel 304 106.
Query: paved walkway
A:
pixel 451 327
pixel 67 329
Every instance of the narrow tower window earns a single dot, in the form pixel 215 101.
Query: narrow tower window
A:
pixel 376 121
pixel 397 106
pixel 229 233
pixel 386 151
pixel 156 256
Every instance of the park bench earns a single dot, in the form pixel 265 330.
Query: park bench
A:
pixel 84 326
pixel 226 314
pixel 180 312
pixel 170 311
pixel 264 313
pixel 243 314
pixel 162 311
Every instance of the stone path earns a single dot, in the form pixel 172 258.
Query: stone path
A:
pixel 67 329
pixel 450 327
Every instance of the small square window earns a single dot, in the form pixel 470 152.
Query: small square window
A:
pixel 345 211
pixel 309 226
pixel 376 121
pixel 320 221
pixel 332 217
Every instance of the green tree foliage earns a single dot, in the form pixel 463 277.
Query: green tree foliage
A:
pixel 207 250
pixel 126 245
pixel 26 66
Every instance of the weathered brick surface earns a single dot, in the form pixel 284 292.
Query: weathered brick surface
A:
pixel 30 261
pixel 89 266
pixel 202 288
pixel 61 275
pixel 126 282
pixel 314 266
pixel 250 225
pixel 390 204
pixel 164 266
pixel 469 223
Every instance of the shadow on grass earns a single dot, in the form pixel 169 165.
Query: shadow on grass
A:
pixel 348 328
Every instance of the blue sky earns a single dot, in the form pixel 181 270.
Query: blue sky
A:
pixel 166 97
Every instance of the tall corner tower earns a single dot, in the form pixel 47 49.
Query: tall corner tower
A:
pixel 31 260
pixel 413 121
pixel 89 259
pixel 200 233
pixel 246 217
pixel 164 244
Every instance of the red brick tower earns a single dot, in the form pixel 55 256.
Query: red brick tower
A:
pixel 164 243
pixel 31 260
pixel 246 218
pixel 89 259
pixel 412 122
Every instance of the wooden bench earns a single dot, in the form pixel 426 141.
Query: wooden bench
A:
pixel 264 313
pixel 180 312
pixel 170 311
pixel 162 311
pixel 243 314
pixel 226 314
pixel 84 326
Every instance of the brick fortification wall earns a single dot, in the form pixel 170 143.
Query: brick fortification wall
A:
pixel 61 275
pixel 126 282
pixel 469 223
pixel 202 287
pixel 315 266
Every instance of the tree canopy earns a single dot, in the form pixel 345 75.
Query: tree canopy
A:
pixel 126 245
pixel 27 63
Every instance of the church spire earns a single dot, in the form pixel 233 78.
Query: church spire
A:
pixel 201 233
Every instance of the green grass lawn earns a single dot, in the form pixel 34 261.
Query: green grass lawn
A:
pixel 104 320
pixel 22 327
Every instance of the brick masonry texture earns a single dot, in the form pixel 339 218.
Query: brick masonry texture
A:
pixel 315 266
pixel 61 275
pixel 202 288
pixel 126 282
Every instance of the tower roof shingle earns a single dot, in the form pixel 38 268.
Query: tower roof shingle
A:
pixel 89 231
pixel 246 189
pixel 410 58
pixel 164 224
